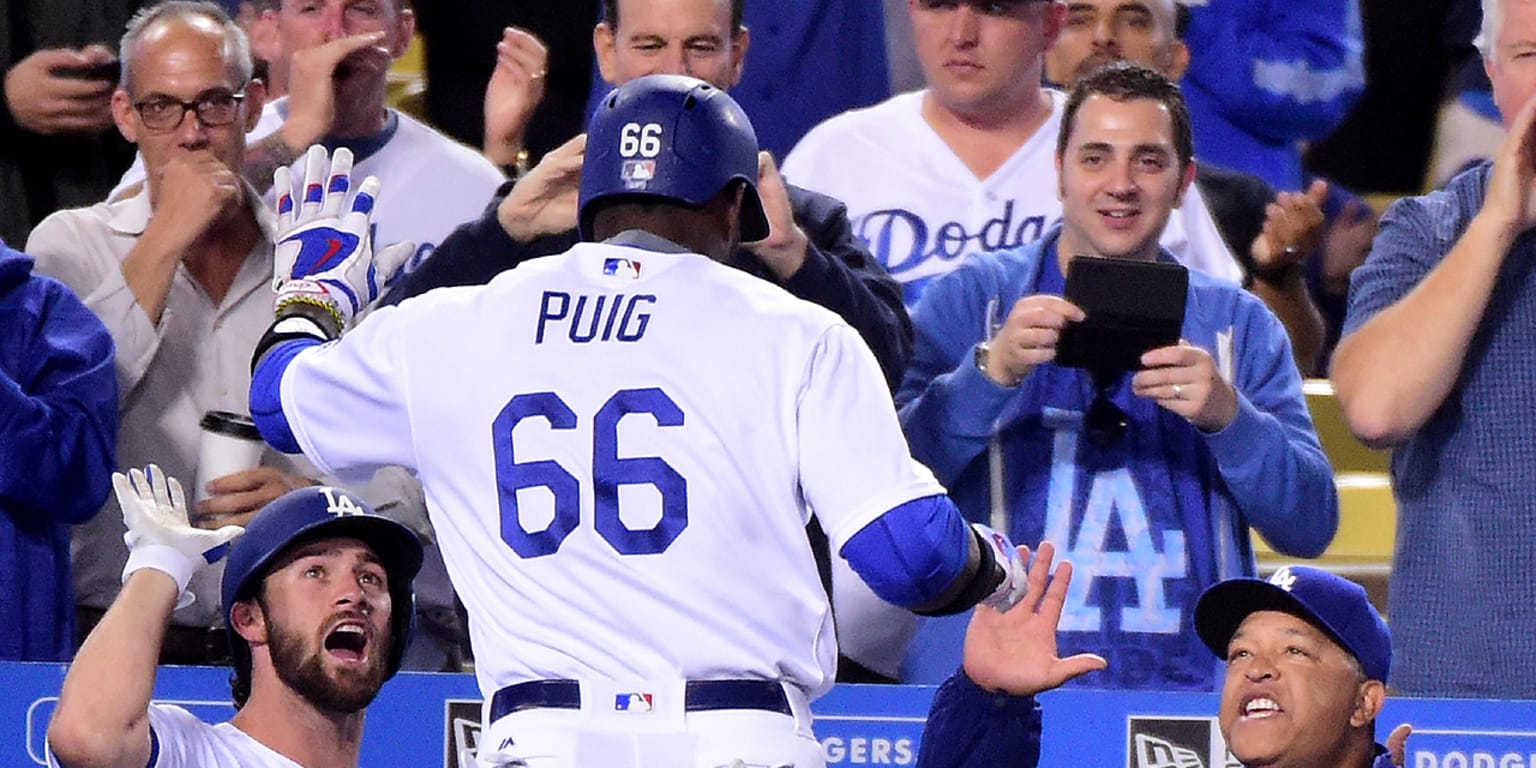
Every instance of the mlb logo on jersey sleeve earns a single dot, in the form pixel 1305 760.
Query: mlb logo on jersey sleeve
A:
pixel 633 702
pixel 637 174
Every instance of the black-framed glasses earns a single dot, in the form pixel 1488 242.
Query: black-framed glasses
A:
pixel 213 108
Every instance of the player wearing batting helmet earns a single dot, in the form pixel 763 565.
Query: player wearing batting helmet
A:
pixel 301 522
pixel 681 141
pixel 318 607
pixel 647 414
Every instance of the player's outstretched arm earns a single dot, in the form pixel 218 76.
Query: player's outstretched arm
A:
pixel 922 556
pixel 325 273
pixel 102 718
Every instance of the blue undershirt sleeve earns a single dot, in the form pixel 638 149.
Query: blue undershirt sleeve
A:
pixel 911 555
pixel 266 393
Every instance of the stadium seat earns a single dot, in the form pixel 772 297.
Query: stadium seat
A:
pixel 1362 549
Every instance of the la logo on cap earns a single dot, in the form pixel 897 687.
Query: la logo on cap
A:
pixel 1283 578
pixel 339 503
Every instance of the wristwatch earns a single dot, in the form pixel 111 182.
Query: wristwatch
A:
pixel 979 355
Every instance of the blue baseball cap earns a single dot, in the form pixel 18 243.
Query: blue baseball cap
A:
pixel 1337 606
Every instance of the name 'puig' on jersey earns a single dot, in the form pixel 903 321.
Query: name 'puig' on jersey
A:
pixel 589 317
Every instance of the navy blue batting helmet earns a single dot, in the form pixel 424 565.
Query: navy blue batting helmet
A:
pixel 320 512
pixel 671 138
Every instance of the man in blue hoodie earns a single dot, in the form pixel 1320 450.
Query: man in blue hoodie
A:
pixel 58 424
pixel 1149 479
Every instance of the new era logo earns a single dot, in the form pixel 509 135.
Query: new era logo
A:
pixel 1176 742
pixel 1152 752
pixel 633 702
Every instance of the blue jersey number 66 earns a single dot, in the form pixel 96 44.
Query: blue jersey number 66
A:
pixel 608 473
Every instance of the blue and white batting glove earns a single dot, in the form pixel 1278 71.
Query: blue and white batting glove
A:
pixel 159 536
pixel 1015 571
pixel 325 256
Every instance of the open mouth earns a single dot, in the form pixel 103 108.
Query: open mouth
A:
pixel 1120 218
pixel 348 641
pixel 1260 708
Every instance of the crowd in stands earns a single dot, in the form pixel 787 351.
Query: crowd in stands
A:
pixel 136 173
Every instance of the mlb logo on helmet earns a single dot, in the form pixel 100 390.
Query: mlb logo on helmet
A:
pixel 632 702
pixel 622 268
pixel 637 174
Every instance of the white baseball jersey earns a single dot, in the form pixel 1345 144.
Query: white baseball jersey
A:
pixel 620 448
pixel 922 210
pixel 430 183
pixel 184 741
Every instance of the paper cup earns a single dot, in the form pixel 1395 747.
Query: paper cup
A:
pixel 230 444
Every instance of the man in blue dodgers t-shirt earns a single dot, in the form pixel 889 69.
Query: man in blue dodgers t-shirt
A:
pixel 1150 492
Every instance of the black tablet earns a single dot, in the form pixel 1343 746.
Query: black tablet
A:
pixel 1132 307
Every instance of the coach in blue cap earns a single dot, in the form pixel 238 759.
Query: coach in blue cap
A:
pixel 1307 660
pixel 1307 656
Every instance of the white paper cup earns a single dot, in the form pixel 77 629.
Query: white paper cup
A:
pixel 230 444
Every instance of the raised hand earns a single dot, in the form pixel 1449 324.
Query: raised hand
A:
pixel 159 534
pixel 324 253
pixel 544 202
pixel 1293 228
pixel 191 191
pixel 47 103
pixel 515 89
pixel 1028 337
pixel 1511 196
pixel 1183 378
pixel 1015 651
pixel 312 86
pixel 783 250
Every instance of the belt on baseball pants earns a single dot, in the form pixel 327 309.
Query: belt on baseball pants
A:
pixel 698 696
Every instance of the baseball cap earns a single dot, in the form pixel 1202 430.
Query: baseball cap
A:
pixel 1332 603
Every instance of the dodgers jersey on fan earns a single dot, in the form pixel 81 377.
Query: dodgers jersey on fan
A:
pixel 620 448
pixel 431 183
pixel 181 740
pixel 922 210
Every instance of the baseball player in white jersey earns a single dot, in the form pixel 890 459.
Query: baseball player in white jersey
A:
pixel 922 210
pixel 620 447
pixel 317 606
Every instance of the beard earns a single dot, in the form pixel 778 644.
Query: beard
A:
pixel 345 691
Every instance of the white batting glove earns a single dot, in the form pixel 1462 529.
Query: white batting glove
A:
pixel 159 536
pixel 1015 571
pixel 324 254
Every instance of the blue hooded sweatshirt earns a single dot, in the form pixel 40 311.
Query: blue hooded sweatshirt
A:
pixel 58 427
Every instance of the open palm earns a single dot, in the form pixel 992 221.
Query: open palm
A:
pixel 1015 651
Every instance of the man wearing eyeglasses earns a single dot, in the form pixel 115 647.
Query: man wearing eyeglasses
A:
pixel 1149 479
pixel 181 274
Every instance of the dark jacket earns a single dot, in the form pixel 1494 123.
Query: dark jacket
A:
pixel 58 426
pixel 42 174
pixel 839 272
